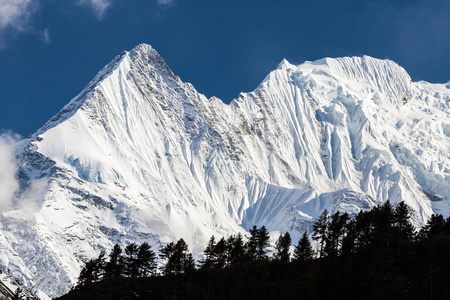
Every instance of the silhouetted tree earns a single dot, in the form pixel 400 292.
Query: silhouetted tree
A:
pixel 209 255
pixel 146 260
pixel 178 259
pixel 256 247
pixel 348 241
pixel 435 226
pixel 131 260
pixel 282 248
pixel 382 224
pixel 362 229
pixel 220 252
pixel 115 266
pixel 236 248
pixel 92 270
pixel 335 233
pixel 402 224
pixel 320 230
pixel 303 251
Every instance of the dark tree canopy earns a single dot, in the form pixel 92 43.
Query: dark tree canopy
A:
pixel 115 266
pixel 303 251
pixel 256 247
pixel 282 245
pixel 177 257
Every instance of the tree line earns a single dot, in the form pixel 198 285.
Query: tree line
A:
pixel 379 232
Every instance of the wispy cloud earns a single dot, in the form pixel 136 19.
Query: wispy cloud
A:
pixel 16 17
pixel 8 168
pixel 98 6
pixel 45 35
pixel 166 2
pixel 16 13
pixel 26 202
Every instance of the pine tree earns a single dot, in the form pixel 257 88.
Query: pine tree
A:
pixel 251 245
pixel 167 253
pixel 256 247
pixel 92 271
pixel 115 266
pixel 382 226
pixel 178 259
pixel 435 226
pixel 146 260
pixel 220 253
pixel 349 240
pixel 235 249
pixel 303 251
pixel 362 228
pixel 209 255
pixel 402 223
pixel 131 260
pixel 320 230
pixel 282 248
pixel 336 233
pixel 263 243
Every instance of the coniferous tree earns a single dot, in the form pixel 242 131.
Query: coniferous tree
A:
pixel 362 229
pixel 335 233
pixel 236 249
pixel 251 245
pixel 263 243
pixel 402 223
pixel 92 271
pixel 320 230
pixel 131 260
pixel 215 255
pixel 256 247
pixel 220 252
pixel 382 224
pixel 348 241
pixel 209 254
pixel 435 226
pixel 146 260
pixel 115 266
pixel 178 259
pixel 282 248
pixel 303 251
pixel 167 253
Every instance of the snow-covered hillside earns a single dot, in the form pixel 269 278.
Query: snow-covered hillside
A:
pixel 140 155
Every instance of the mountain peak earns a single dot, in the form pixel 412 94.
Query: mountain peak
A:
pixel 141 156
pixel 376 75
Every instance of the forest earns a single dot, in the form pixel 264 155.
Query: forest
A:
pixel 376 253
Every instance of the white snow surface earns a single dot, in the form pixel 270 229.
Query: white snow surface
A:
pixel 140 156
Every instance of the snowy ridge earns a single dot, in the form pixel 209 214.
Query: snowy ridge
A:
pixel 140 155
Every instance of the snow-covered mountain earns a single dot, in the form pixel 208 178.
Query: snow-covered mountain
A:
pixel 140 155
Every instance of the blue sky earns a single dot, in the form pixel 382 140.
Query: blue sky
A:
pixel 50 49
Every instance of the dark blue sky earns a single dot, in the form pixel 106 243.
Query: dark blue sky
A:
pixel 50 49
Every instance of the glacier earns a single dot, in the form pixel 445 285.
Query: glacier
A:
pixel 140 155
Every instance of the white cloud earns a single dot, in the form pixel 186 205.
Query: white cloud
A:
pixel 15 13
pixel 45 35
pixel 9 184
pixel 26 202
pixel 98 6
pixel 166 2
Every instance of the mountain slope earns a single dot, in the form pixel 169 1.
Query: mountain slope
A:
pixel 140 155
